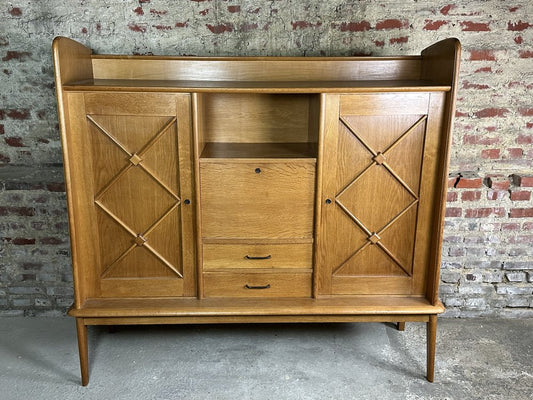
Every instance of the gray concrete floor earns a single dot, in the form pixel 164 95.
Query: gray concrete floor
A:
pixel 476 359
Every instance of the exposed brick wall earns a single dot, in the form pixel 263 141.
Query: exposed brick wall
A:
pixel 488 249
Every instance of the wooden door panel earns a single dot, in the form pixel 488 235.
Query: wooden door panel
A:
pixel 369 229
pixel 136 165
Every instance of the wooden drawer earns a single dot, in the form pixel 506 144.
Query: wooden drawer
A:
pixel 221 256
pixel 249 284
pixel 253 200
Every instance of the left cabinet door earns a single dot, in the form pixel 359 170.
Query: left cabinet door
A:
pixel 128 169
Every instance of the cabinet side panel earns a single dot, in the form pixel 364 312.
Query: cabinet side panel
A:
pixel 427 237
pixel 439 124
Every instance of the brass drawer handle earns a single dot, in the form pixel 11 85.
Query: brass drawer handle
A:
pixel 257 287
pixel 258 258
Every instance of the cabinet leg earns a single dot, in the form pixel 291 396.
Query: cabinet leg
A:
pixel 431 341
pixel 83 349
pixel 401 326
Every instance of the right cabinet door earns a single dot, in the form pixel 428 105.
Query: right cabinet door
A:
pixel 380 167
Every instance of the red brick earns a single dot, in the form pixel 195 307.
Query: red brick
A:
pixel 16 12
pixel 522 180
pixel 468 183
pixel 137 28
pixel 162 27
pixel 379 43
pixel 483 69
pixel 524 139
pixel 469 26
pixel 354 26
pixel 521 239
pixel 518 26
pixel 497 194
pixel 181 24
pixel 498 182
pixel 139 11
pixel 234 9
pixel 468 85
pixel 434 25
pixel 527 226
pixel 204 12
pixel 480 139
pixel 157 12
pixel 23 241
pixel 454 211
pixel 51 240
pixel 56 187
pixel 446 9
pixel 19 114
pixel 525 54
pixel 14 141
pixel 490 153
pixel 520 195
pixel 248 27
pixel 491 112
pixel 16 55
pixel 221 28
pixel 526 112
pixel 471 195
pixel 482 55
pixel 518 40
pixel 515 153
pixel 529 125
pixel 403 39
pixel 509 226
pixel 20 211
pixel 304 24
pixel 392 24
pixel 521 213
pixel 484 212
pixel 451 196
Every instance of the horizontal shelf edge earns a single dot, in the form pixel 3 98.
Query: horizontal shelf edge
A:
pixel 137 85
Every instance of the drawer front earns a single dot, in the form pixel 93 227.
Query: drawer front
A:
pixel 257 200
pixel 220 256
pixel 222 284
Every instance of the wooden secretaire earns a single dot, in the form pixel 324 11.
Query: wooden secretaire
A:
pixel 206 190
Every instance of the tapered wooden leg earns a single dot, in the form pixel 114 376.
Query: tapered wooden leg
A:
pixel 401 326
pixel 83 349
pixel 431 341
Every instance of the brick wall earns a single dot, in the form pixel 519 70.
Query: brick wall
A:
pixel 488 249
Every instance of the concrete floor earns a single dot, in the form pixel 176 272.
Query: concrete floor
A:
pixel 476 359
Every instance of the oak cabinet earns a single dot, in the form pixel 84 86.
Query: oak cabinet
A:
pixel 206 190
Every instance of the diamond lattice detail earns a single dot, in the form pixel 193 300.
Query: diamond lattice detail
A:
pixel 380 182
pixel 374 238
pixel 135 159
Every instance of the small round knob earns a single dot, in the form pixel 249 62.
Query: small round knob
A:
pixel 258 170
pixel 328 201
pixel 187 201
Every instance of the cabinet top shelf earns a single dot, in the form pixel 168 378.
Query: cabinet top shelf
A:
pixel 353 86
pixel 77 68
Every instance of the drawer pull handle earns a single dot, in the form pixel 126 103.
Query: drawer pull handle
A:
pixel 258 258
pixel 257 287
